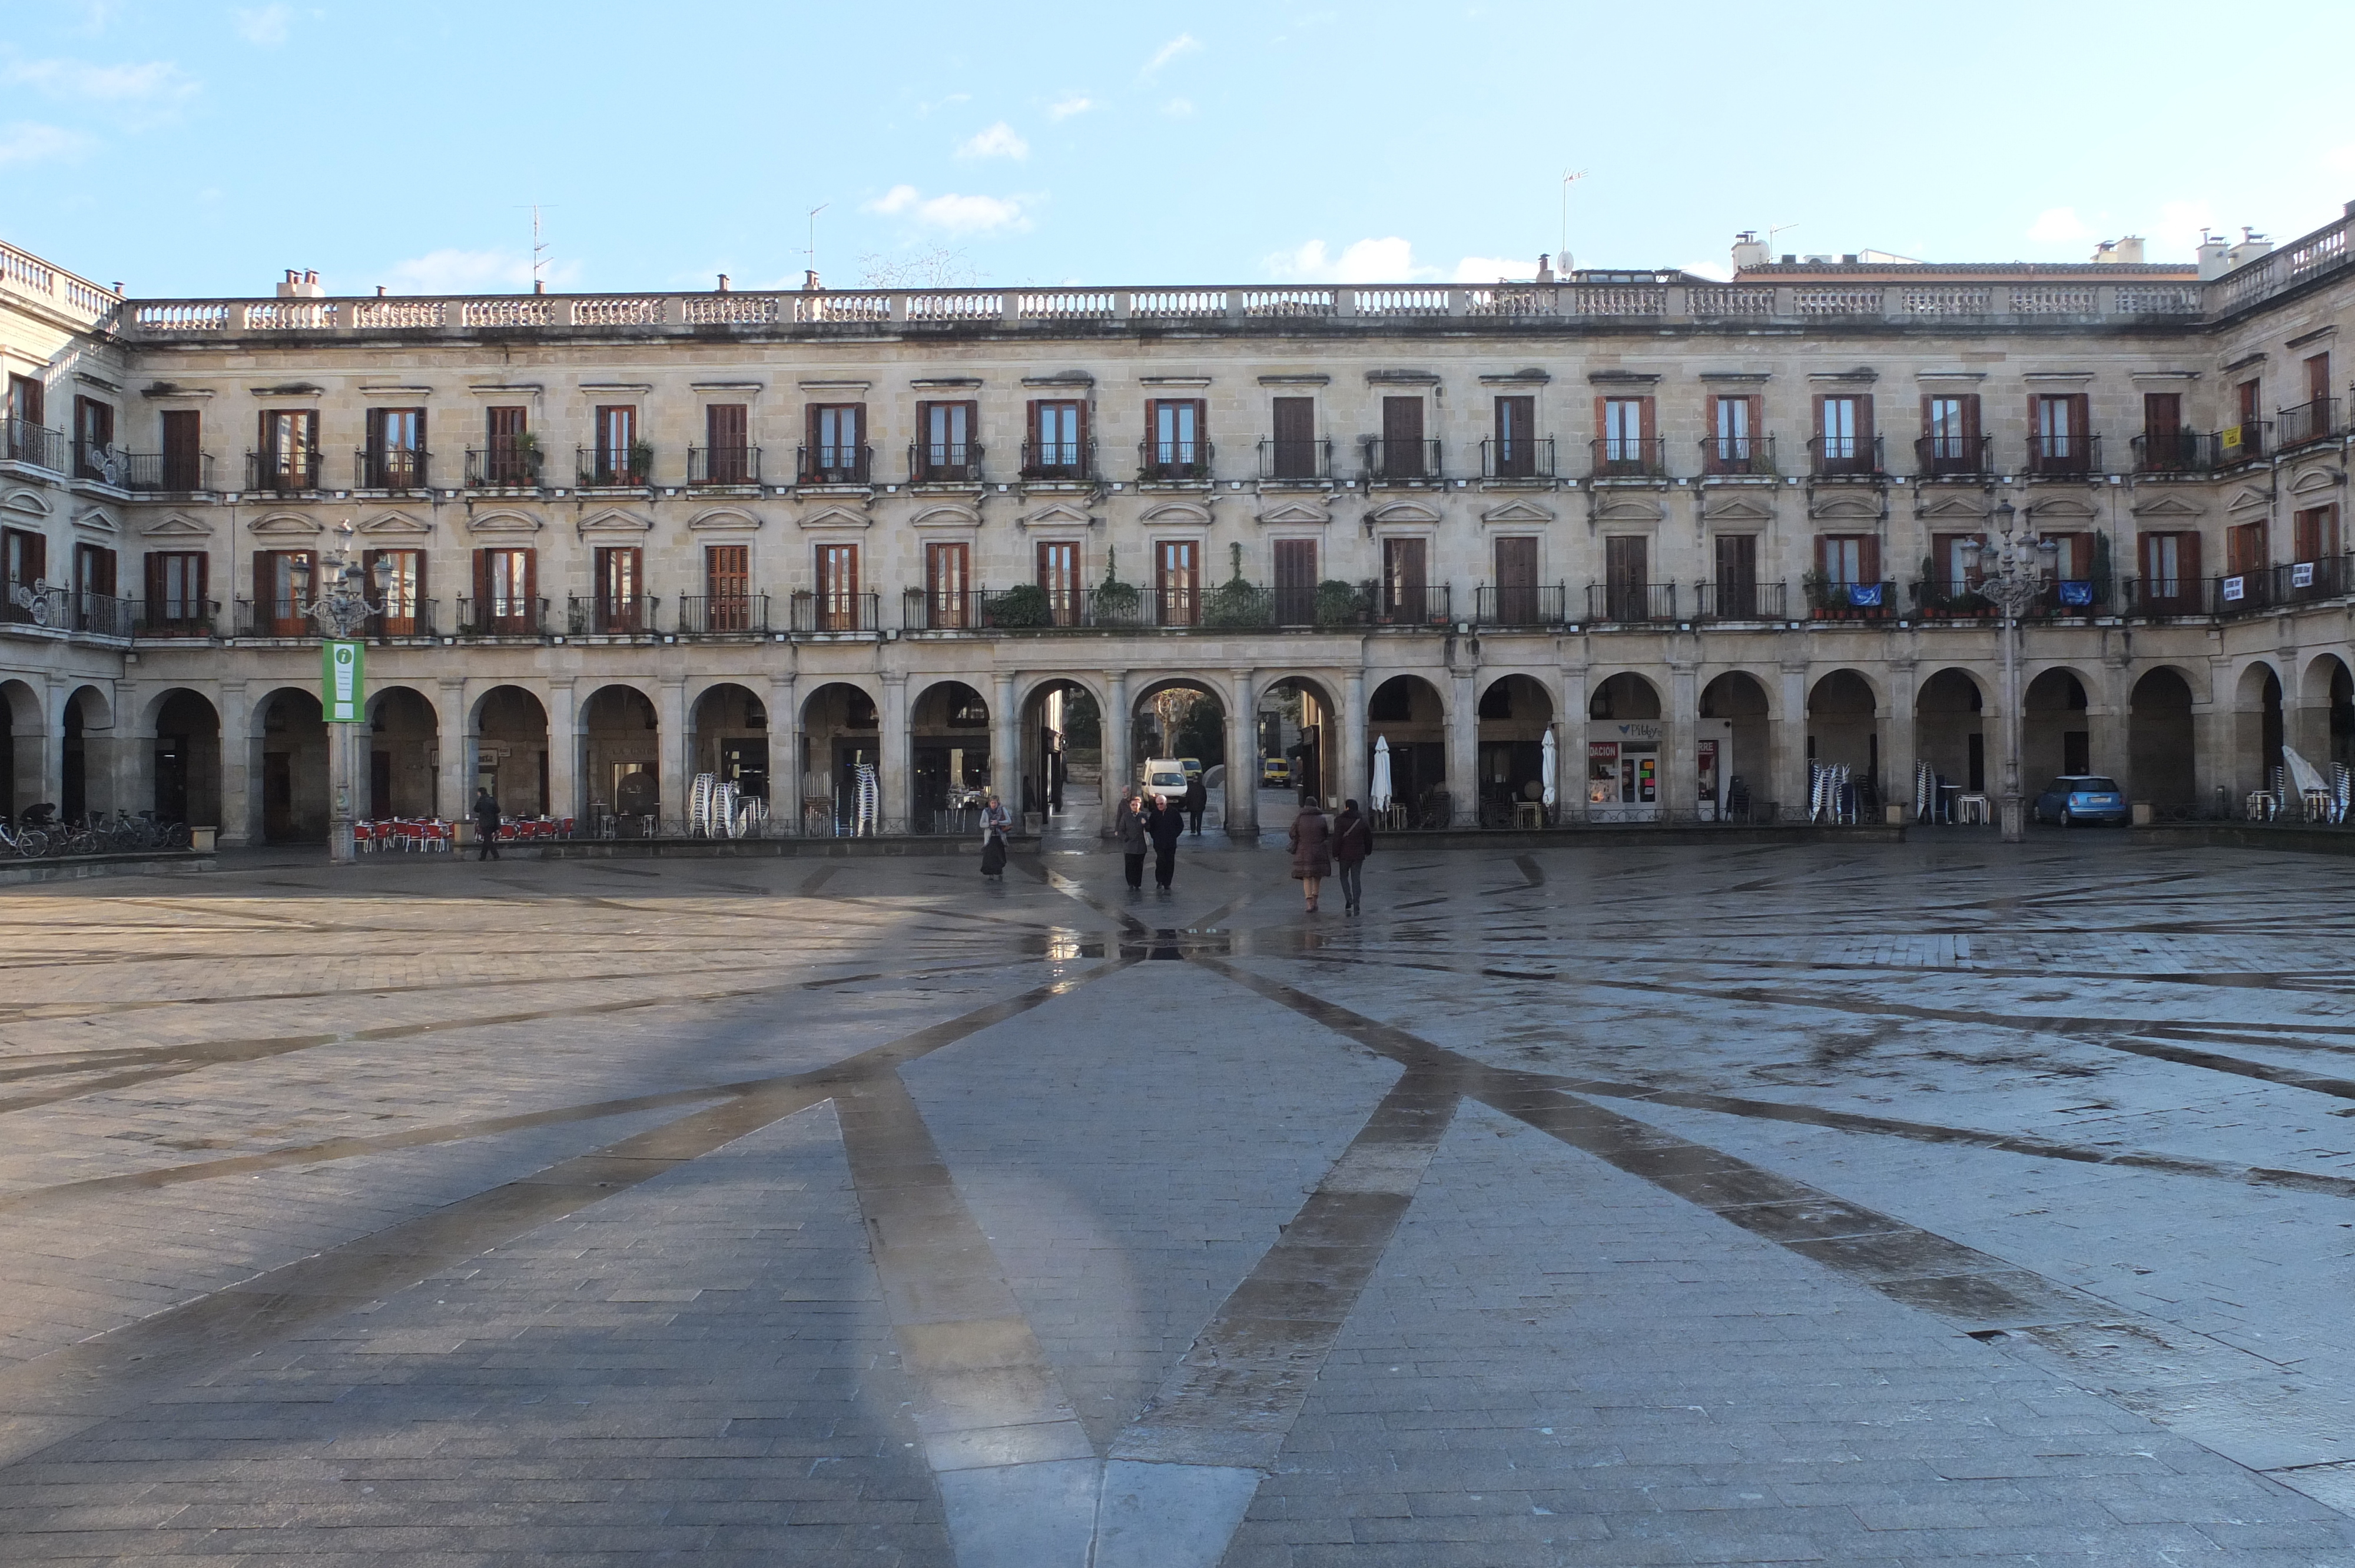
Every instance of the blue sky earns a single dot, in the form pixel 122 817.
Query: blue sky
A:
pixel 193 148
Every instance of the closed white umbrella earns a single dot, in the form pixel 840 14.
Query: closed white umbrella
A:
pixel 2303 775
pixel 1381 794
pixel 1551 771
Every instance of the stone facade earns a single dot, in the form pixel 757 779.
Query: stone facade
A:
pixel 1329 487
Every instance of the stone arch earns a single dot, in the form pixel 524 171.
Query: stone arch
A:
pixel 1950 727
pixel 506 729
pixel 186 773
pixel 1515 714
pixel 1626 695
pixel 23 727
pixel 1060 735
pixel 86 771
pixel 2160 741
pixel 840 729
pixel 1844 716
pixel 402 775
pixel 2325 713
pixel 620 739
pixel 292 735
pixel 2055 729
pixel 1409 713
pixel 949 735
pixel 2257 736
pixel 1188 727
pixel 1307 731
pixel 1744 700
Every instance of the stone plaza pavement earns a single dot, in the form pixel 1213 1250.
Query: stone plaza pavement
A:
pixel 1876 1204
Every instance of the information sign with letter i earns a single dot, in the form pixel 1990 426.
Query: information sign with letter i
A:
pixel 342 691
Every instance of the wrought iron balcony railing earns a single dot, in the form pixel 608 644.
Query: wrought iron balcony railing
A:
pixel 414 619
pixel 1173 462
pixel 2171 452
pixel 1049 460
pixel 1738 600
pixel 1752 455
pixel 1414 604
pixel 1298 461
pixel 1631 603
pixel 503 615
pixel 1517 457
pixel 1520 604
pixel 723 465
pixel 604 469
pixel 1628 457
pixel 22 440
pixel 179 618
pixel 284 472
pixel 1845 457
pixel 2053 456
pixel 503 466
pixel 2314 421
pixel 169 473
pixel 1400 462
pixel 944 462
pixel 392 468
pixel 723 615
pixel 610 615
pixel 835 611
pixel 1952 457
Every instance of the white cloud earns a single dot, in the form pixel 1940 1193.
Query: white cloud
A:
pixel 1070 106
pixel 26 142
pixel 1390 261
pixel 1715 272
pixel 999 142
pixel 454 271
pixel 153 83
pixel 951 212
pixel 1182 45
pixel 1494 269
pixel 2059 225
pixel 2180 223
pixel 265 24
pixel 1178 108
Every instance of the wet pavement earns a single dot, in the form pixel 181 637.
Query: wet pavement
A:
pixel 1926 1203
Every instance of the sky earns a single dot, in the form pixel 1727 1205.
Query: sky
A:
pixel 189 148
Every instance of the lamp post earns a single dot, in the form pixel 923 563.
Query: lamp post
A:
pixel 2013 565
pixel 342 608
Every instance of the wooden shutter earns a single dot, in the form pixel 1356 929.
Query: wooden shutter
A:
pixel 265 584
pixel 156 593
pixel 1403 423
pixel 1517 562
pixel 1295 564
pixel 724 425
pixel 1034 440
pixel 2187 556
pixel 482 589
pixel 1296 422
pixel 1867 559
pixel 2318 377
pixel 2162 413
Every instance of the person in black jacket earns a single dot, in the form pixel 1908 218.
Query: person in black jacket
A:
pixel 1198 796
pixel 1164 822
pixel 486 825
pixel 1130 829
pixel 1353 840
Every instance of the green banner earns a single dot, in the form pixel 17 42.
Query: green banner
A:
pixel 343 691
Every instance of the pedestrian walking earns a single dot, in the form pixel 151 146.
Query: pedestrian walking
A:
pixel 486 825
pixel 1198 796
pixel 996 822
pixel 1312 850
pixel 1353 840
pixel 1164 826
pixel 1133 840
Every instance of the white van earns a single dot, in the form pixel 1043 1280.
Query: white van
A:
pixel 1163 776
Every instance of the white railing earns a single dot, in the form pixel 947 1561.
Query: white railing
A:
pixel 839 307
pixel 1401 302
pixel 1835 301
pixel 1292 302
pixel 392 313
pixel 1066 305
pixel 730 310
pixel 24 273
pixel 2308 256
pixel 1944 301
pixel 617 309
pixel 2047 301
pixel 1733 299
pixel 1185 304
pixel 1506 300
pixel 289 315
pixel 1620 300
pixel 508 310
pixel 169 318
pixel 2316 252
pixel 957 305
pixel 2158 299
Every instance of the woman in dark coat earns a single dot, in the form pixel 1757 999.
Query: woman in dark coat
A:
pixel 1312 850
pixel 1130 829
pixel 1353 840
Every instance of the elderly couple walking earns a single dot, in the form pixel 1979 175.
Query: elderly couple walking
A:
pixel 1320 843
pixel 1155 825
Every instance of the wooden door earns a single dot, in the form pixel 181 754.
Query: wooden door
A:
pixel 1516 451
pixel 1627 580
pixel 946 581
pixel 1295 447
pixel 183 461
pixel 837 588
pixel 1516 580
pixel 1403 449
pixel 619 601
pixel 1059 577
pixel 1295 582
pixel 1737 577
pixel 728 588
pixel 1177 582
pixel 727 444
pixel 1405 586
pixel 404 590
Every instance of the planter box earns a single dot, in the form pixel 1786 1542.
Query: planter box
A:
pixel 202 840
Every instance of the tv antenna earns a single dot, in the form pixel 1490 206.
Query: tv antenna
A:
pixel 1562 255
pixel 810 254
pixel 539 253
pixel 1770 238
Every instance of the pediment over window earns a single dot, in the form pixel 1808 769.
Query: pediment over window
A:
pixel 1845 509
pixel 946 515
pixel 2315 479
pixel 1518 511
pixel 1059 514
pixel 2064 511
pixel 1630 509
pixel 1724 506
pixel 28 502
pixel 1403 511
pixel 1299 514
pixel 2167 506
pixel 723 519
pixel 1177 515
pixel 1952 508
pixel 614 520
pixel 827 517
pixel 2250 498
pixel 175 525
pixel 286 525
pixel 97 520
pixel 503 522
pixel 395 524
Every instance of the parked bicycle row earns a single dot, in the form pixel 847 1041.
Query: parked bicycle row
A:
pixel 38 832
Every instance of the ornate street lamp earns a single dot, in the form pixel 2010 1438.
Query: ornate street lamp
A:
pixel 2014 566
pixel 342 610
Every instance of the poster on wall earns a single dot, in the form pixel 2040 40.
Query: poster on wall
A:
pixel 342 682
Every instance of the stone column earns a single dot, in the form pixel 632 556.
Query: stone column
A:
pixel 1115 730
pixel 1790 771
pixel 1897 749
pixel 2213 731
pixel 785 755
pixel 1464 747
pixel 1356 771
pixel 241 768
pixel 671 745
pixel 1242 757
pixel 453 743
pixel 120 762
pixel 1569 737
pixel 52 774
pixel 2107 713
pixel 567 788
pixel 1006 750
pixel 1679 747
pixel 893 775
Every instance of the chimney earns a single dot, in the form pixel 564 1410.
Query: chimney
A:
pixel 1545 269
pixel 2213 263
pixel 2130 249
pixel 809 282
pixel 300 285
pixel 2252 245
pixel 2106 251
pixel 379 291
pixel 1749 250
pixel 723 283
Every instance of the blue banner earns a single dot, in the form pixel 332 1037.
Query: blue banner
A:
pixel 1864 596
pixel 2077 594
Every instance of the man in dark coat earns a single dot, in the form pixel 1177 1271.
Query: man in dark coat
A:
pixel 1197 797
pixel 1353 840
pixel 1130 829
pixel 1165 824
pixel 486 825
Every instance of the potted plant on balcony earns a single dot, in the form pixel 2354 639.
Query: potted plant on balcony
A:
pixel 1338 604
pixel 1025 604
pixel 1816 584
pixel 1117 602
pixel 1234 602
pixel 642 462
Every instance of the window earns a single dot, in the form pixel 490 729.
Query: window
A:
pixel 94 591
pixel 1059 577
pixel 1953 560
pixel 2166 447
pixel 26 399
pixel 1175 450
pixel 838 599
pixel 1627 578
pixel 2245 549
pixel 1515 450
pixel 506 601
pixel 1177 582
pixel 1400 453
pixel 289 447
pixel 2318 377
pixel 1950 435
pixel 176 590
pixel 948 577
pixel 728 588
pixel 1293 453
pixel 2243 439
pixel 1295 582
pixel 396 448
pixel 620 603
pixel 1626 446
pixel 1405 590
pixel 404 592
pixel 2170 572
pixel 1848 560
pixel 727 445
pixel 1844 443
pixel 510 459
pixel 183 458
pixel 620 458
pixel 2317 533
pixel 946 451
pixel 279 606
pixel 1058 447
pixel 1737 577
pixel 94 456
pixel 1516 580
pixel 2315 418
pixel 2059 433
pixel 1732 446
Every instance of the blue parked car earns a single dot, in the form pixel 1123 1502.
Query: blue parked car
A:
pixel 2076 797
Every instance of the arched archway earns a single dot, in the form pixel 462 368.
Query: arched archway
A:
pixel 1733 778
pixel 729 738
pixel 404 757
pixel 1407 716
pixel 1950 729
pixel 293 767
pixel 948 758
pixel 1062 761
pixel 1844 731
pixel 1516 714
pixel 621 733
pixel 2324 734
pixel 1626 751
pixel 2257 730
pixel 841 732
pixel 187 771
pixel 20 714
pixel 1297 720
pixel 510 745
pixel 86 775
pixel 2055 735
pixel 2160 743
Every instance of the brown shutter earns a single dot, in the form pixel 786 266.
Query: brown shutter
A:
pixel 1868 555
pixel 1517 562
pixel 156 593
pixel 263 589
pixel 1295 420
pixel 482 591
pixel 1081 426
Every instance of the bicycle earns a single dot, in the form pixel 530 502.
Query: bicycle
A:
pixel 28 842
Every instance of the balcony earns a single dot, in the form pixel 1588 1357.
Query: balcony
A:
pixel 2244 593
pixel 1741 601
pixel 1628 457
pixel 2171 452
pixel 274 618
pixel 2315 421
pixel 169 473
pixel 503 465
pixel 1954 457
pixel 1851 601
pixel 1173 462
pixel 2302 582
pixel 1073 462
pixel 503 615
pixel 391 468
pixel 1295 463
pixel 1509 458
pixel 1845 457
pixel 610 615
pixel 1414 604
pixel 1028 607
pixel 1630 604
pixel 944 462
pixel 21 441
pixel 102 464
pixel 711 466
pixel 841 464
pixel 1942 599
pixel 26 604
pixel 1751 456
pixel 2161 597
pixel 835 611
pixel 2054 456
pixel 284 473
pixel 1520 604
pixel 178 618
pixel 414 619
pixel 603 469
pixel 2247 441
pixel 1400 462
pixel 724 614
